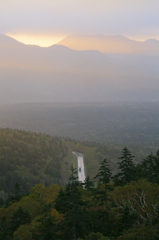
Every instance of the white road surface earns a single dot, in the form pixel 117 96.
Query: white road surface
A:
pixel 81 170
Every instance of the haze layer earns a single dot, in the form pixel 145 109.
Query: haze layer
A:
pixel 58 73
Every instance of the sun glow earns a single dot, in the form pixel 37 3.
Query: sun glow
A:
pixel 39 40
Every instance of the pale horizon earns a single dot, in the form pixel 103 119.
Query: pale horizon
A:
pixel 46 22
pixel 38 40
pixel 43 40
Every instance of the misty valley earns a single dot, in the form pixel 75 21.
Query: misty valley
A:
pixel 130 124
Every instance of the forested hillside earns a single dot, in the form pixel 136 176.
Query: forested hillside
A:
pixel 29 158
pixel 124 206
pixel 33 158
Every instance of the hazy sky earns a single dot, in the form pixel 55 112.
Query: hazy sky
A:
pixel 47 21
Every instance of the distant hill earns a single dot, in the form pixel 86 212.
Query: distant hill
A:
pixel 30 158
pixel 57 73
pixel 111 44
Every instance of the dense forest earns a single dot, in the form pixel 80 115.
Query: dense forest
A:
pixel 119 123
pixel 121 206
pixel 41 198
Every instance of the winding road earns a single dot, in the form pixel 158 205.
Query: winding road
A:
pixel 81 169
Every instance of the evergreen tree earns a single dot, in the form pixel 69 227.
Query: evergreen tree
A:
pixel 128 218
pixel 104 177
pixel 19 218
pixel 88 184
pixel 4 230
pixel 149 168
pixel 70 203
pixel 73 176
pixel 47 228
pixel 15 196
pixel 126 167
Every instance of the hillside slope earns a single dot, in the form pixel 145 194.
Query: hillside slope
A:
pixel 29 158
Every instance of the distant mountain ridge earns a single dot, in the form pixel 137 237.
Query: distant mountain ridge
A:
pixel 111 44
pixel 30 73
pixel 107 44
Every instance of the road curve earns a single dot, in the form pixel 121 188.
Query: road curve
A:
pixel 81 169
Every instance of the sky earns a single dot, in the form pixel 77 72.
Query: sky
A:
pixel 45 22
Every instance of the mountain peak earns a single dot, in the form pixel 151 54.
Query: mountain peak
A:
pixel 4 39
pixel 110 44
